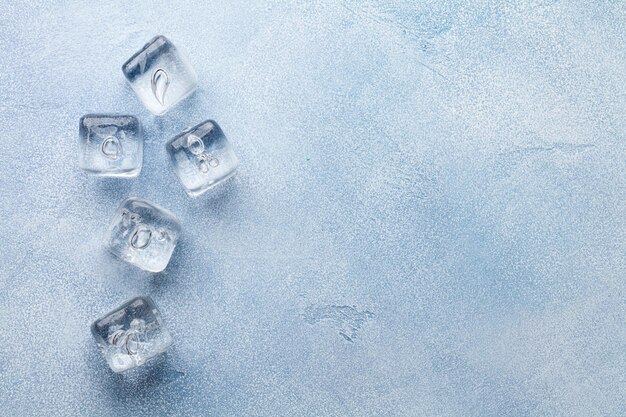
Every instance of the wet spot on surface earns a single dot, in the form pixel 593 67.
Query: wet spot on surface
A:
pixel 347 319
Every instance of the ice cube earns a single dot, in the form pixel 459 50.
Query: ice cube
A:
pixel 131 334
pixel 110 145
pixel 143 234
pixel 202 157
pixel 160 75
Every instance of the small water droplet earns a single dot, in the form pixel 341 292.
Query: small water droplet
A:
pixel 111 147
pixel 203 164
pixel 128 218
pixel 116 337
pixel 132 342
pixel 195 145
pixel 161 235
pixel 160 83
pixel 141 238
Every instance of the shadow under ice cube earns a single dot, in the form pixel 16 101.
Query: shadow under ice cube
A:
pixel 143 234
pixel 160 75
pixel 131 334
pixel 110 145
pixel 202 157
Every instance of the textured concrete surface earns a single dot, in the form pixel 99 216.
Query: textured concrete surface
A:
pixel 429 219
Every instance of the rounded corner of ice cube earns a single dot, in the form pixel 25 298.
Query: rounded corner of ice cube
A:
pixel 169 340
pixel 146 299
pixel 236 163
pixel 193 193
pixel 131 172
pixel 155 269
pixel 157 109
pixel 159 113
pixel 159 38
pixel 124 69
pixel 169 147
pixel 134 173
pixel 94 329
pixel 126 201
pixel 118 369
pixel 136 120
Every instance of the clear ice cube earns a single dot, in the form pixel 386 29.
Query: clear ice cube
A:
pixel 143 234
pixel 110 145
pixel 202 157
pixel 131 334
pixel 160 75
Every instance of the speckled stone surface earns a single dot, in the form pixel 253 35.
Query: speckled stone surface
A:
pixel 429 217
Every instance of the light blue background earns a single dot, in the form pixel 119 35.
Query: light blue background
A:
pixel 429 219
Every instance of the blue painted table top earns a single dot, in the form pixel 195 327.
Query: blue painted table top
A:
pixel 429 217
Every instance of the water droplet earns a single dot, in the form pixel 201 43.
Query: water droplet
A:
pixel 116 337
pixel 132 342
pixel 160 82
pixel 195 145
pixel 111 147
pixel 161 235
pixel 141 238
pixel 128 218
pixel 203 164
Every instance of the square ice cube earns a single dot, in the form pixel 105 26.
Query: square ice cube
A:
pixel 202 157
pixel 143 234
pixel 160 75
pixel 131 334
pixel 110 145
